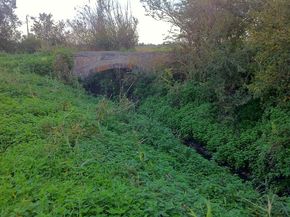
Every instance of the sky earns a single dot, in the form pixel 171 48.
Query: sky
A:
pixel 150 30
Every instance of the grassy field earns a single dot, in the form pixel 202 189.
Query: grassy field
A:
pixel 65 153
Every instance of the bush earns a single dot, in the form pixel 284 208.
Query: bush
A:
pixel 63 65
pixel 38 64
pixel 30 45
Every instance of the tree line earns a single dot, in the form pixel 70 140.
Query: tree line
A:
pixel 102 25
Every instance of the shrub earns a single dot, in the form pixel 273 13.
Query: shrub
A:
pixel 38 64
pixel 63 65
pixel 30 45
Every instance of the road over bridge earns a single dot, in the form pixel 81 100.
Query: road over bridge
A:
pixel 90 62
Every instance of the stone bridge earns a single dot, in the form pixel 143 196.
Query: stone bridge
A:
pixel 90 62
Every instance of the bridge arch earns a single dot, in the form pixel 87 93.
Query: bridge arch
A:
pixel 115 67
pixel 86 63
pixel 112 81
pixel 111 72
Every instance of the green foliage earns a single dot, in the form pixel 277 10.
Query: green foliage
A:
pixel 239 49
pixel 64 153
pixel 256 144
pixel 57 63
pixel 63 65
pixel 235 98
pixel 270 35
pixel 30 44
pixel 9 22
pixel 38 63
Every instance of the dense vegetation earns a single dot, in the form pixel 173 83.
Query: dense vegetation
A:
pixel 126 145
pixel 64 153
pixel 230 86
pixel 255 144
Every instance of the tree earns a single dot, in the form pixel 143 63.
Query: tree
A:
pixel 105 25
pixel 51 33
pixel 8 25
pixel 211 37
pixel 269 34
pixel 203 24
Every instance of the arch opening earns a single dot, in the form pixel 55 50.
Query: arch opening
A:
pixel 112 82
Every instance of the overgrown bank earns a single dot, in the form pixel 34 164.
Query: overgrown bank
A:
pixel 256 143
pixel 253 140
pixel 230 86
pixel 64 153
